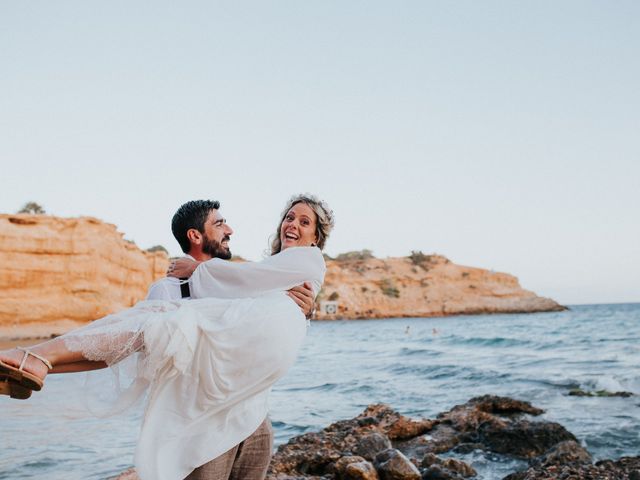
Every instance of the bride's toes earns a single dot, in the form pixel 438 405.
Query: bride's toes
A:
pixel 11 357
pixel 25 367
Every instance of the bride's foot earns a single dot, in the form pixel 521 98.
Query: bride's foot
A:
pixel 24 367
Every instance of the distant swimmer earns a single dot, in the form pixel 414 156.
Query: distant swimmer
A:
pixel 407 331
pixel 435 331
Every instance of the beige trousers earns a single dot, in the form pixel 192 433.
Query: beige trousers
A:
pixel 248 460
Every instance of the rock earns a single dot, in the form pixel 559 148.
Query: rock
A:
pixel 355 468
pixel 57 273
pixel 393 465
pixel 522 438
pixel 623 469
pixel 407 428
pixel 490 423
pixel 369 445
pixel 316 453
pixel 577 392
pixel 503 406
pixel 421 286
pixel 436 472
pixel 360 471
pixel 460 467
pixel 487 408
pixel 430 459
pixel 448 468
pixel 565 452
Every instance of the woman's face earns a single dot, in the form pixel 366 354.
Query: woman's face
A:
pixel 298 228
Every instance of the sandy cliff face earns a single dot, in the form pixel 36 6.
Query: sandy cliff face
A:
pixel 57 273
pixel 68 270
pixel 422 286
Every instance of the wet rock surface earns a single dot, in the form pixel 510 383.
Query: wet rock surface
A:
pixel 382 444
pixel 577 392
pixel 626 468
pixel 355 468
pixel 449 468
pixel 391 464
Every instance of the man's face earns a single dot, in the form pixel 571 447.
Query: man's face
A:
pixel 216 236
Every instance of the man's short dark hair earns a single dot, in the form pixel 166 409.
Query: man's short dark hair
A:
pixel 192 214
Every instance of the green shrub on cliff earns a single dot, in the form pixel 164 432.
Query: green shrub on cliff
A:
pixel 389 288
pixel 421 260
pixel 355 255
pixel 33 208
pixel 158 248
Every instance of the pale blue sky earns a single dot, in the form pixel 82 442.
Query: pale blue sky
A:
pixel 502 134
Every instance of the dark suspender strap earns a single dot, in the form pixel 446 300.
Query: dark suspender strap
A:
pixel 184 288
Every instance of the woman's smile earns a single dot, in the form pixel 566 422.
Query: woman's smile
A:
pixel 298 227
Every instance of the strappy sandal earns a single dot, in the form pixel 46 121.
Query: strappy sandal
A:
pixel 19 376
pixel 13 389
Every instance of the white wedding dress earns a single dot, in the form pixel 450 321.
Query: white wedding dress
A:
pixel 208 363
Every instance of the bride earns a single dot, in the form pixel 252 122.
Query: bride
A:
pixel 208 363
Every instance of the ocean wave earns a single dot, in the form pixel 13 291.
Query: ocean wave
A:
pixel 346 365
pixel 488 341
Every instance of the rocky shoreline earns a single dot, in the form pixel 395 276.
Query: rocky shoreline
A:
pixel 381 444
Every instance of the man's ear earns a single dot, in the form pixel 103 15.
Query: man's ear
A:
pixel 194 236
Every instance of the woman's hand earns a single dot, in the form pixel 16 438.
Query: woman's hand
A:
pixel 182 268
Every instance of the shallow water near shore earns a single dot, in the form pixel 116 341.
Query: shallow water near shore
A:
pixel 420 367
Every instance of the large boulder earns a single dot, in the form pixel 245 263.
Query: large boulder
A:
pixel 370 445
pixel 393 465
pixel 355 468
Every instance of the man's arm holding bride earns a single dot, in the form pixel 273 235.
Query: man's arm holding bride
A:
pixel 301 294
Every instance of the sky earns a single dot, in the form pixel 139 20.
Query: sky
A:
pixel 501 134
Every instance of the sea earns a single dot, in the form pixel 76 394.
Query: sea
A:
pixel 418 366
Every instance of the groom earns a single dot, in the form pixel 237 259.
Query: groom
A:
pixel 203 234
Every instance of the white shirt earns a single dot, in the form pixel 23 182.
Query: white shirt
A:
pixel 167 288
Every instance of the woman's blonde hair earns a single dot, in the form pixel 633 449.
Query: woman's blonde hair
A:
pixel 324 219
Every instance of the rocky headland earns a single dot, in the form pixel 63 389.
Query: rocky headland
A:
pixel 58 273
pixel 381 444
pixel 420 285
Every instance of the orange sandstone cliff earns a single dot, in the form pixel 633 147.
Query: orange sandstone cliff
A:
pixel 420 286
pixel 57 273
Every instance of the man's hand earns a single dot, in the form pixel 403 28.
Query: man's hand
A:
pixel 182 268
pixel 303 296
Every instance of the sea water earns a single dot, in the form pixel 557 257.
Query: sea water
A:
pixel 419 366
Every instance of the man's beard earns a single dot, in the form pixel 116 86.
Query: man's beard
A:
pixel 215 248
